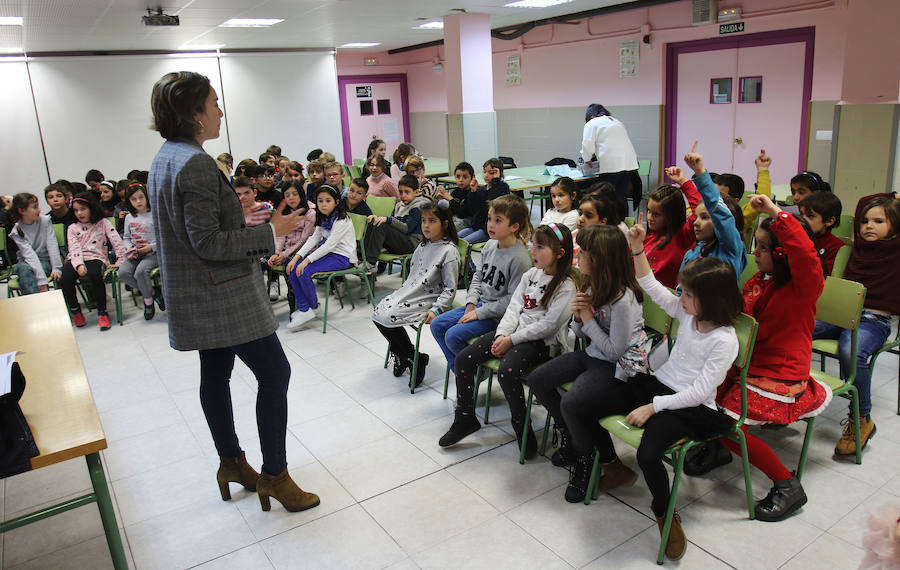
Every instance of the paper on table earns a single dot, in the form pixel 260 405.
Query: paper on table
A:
pixel 6 362
pixel 511 177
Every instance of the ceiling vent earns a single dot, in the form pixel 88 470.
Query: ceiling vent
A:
pixel 703 12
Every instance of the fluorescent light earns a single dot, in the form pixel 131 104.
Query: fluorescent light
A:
pixel 250 22
pixel 361 44
pixel 536 3
pixel 12 21
pixel 430 26
pixel 11 50
pixel 208 47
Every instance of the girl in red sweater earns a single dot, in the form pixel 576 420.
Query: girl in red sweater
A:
pixel 874 262
pixel 670 232
pixel 782 298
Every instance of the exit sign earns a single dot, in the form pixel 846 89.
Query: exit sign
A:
pixel 731 28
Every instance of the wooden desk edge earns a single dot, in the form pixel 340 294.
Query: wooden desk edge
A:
pixel 66 454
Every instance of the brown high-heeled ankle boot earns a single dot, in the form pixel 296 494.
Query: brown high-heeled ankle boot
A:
pixel 235 470
pixel 285 491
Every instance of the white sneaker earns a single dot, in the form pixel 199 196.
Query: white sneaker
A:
pixel 300 318
pixel 274 290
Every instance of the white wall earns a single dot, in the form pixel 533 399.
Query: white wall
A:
pixel 95 111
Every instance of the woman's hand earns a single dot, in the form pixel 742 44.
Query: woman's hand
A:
pixel 763 161
pixel 636 234
pixel 81 270
pixel 285 224
pixel 639 416
pixel 764 205
pixel 676 175
pixel 501 346
pixel 694 160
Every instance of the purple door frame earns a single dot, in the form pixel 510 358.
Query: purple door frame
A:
pixel 795 35
pixel 344 80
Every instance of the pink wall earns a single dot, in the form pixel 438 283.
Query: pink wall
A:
pixel 873 55
pixel 569 65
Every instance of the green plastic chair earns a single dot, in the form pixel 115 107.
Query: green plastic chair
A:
pixel 844 229
pixel 840 304
pixel 7 275
pixel 381 205
pixel 629 221
pixel 889 346
pixel 749 271
pixel 840 261
pixel 745 327
pixel 355 171
pixel 360 162
pixel 644 169
pixel 111 276
pixel 360 270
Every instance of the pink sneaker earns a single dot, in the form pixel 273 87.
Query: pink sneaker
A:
pixel 102 322
pixel 78 319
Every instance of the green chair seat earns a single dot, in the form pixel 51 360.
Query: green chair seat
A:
pixel 619 427
pixel 826 345
pixel 833 382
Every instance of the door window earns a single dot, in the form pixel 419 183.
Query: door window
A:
pixel 365 108
pixel 384 106
pixel 751 89
pixel 720 90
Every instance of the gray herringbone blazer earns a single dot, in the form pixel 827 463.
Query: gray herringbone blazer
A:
pixel 215 296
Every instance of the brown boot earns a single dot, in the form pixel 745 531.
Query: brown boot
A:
pixel 285 491
pixel 677 543
pixel 235 470
pixel 847 444
pixel 615 474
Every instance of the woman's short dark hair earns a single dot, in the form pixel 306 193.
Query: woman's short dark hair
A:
pixel 92 202
pixel 714 285
pixel 595 110
pixel 130 191
pixel 175 99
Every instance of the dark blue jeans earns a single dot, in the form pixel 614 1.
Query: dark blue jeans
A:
pixel 452 336
pixel 874 329
pixel 266 359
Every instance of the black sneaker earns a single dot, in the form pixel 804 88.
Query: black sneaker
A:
pixel 400 364
pixel 579 477
pixel 149 311
pixel 565 455
pixel 464 424
pixel 380 268
pixel 420 368
pixel 158 297
pixel 783 499
pixel 707 457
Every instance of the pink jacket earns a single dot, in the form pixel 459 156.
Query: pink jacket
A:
pixel 88 242
pixel 384 185
pixel 287 245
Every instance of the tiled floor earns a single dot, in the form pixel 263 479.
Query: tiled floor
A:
pixel 390 496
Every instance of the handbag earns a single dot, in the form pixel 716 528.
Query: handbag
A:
pixel 17 445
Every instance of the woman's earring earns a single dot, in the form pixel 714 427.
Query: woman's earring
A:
pixel 201 126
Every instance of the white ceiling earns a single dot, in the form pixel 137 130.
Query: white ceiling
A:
pixel 97 25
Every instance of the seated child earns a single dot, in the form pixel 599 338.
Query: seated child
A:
pixel 730 185
pixel 823 212
pixel 88 256
pixel 60 212
pixel 93 178
pixel 376 148
pixel 477 202
pixel 416 167
pixel 427 292
pixel 564 195
pixel 316 170
pixel 599 207
pixel 459 197
pixel 400 232
pixel 763 188
pixel 805 184
pixel 121 209
pixel 140 248
pixel 532 325
pixel 255 213
pixel 38 251
pixel 670 232
pixel 380 184
pixel 108 198
pixel 331 247
pixel 401 153
pixel 287 246
pixel 293 172
pixel 355 200
pixel 263 179
pixel 503 261
pixel 334 176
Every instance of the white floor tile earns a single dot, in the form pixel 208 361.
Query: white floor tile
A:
pixel 52 534
pixel 29 490
pixel 151 450
pixel 426 436
pixel 403 410
pixel 249 557
pixel 140 417
pixel 93 554
pixel 640 553
pixel 826 552
pixel 428 511
pixel 340 431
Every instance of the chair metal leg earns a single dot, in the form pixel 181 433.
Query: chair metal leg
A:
pixel 446 380
pixel 673 496
pixel 325 315
pixel 806 441
pixel 387 355
pixel 107 514
pixel 527 426
pixel 545 435
pixel 745 464
pixel 593 482
pixel 854 399
pixel 487 401
pixel 415 364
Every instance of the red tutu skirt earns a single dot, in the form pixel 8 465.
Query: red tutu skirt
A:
pixel 765 407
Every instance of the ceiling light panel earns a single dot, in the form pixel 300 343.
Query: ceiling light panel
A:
pixel 361 44
pixel 250 22
pixel 12 21
pixel 536 3
pixel 430 26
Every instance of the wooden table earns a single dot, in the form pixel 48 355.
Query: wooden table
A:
pixel 526 178
pixel 57 403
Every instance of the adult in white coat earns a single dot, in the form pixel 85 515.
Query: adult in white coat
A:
pixel 605 141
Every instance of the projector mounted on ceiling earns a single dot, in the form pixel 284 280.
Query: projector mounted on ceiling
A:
pixel 159 19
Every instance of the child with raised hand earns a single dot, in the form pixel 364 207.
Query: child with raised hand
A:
pixel 679 400
pixel 380 184
pixel 782 298
pixel 822 210
pixel 503 261
pixel 607 312
pixel 564 195
pixel 532 325
pixel 670 232
pixel 287 245
pixel 38 251
pixel 494 187
pixel 400 232
pixel 427 292
pixel 718 221
pixel 88 256
pixel 140 248
pixel 874 262
pixel 331 247
pixel 763 187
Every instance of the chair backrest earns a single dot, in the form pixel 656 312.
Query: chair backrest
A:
pixel 359 225
pixel 359 162
pixel 355 171
pixel 644 166
pixel 654 317
pixel 749 271
pixel 840 261
pixel 381 205
pixel 60 231
pixel 844 229
pixel 841 303
pixel 629 221
pixel 744 327
pixel 464 248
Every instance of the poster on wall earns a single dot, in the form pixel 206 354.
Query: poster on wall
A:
pixel 513 70
pixel 629 59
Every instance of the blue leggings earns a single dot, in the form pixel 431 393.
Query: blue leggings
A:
pixel 303 286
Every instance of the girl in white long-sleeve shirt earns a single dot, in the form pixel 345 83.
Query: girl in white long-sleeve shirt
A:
pixel 331 247
pixel 533 324
pixel 679 400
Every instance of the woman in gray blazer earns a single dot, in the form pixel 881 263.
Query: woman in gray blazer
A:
pixel 216 300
